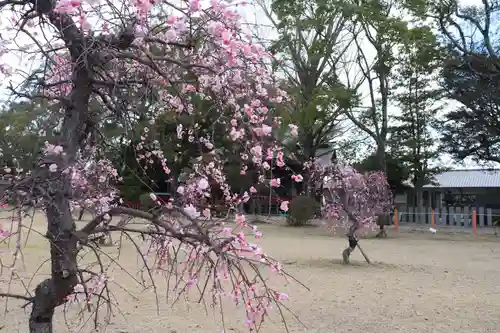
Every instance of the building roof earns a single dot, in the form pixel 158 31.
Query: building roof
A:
pixel 467 179
pixel 324 156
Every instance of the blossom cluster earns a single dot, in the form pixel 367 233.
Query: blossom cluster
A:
pixel 206 56
pixel 240 287
pixel 353 200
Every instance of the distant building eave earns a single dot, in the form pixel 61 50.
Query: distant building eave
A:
pixel 468 178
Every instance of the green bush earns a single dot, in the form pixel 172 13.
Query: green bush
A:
pixel 301 210
pixel 130 193
pixel 496 221
pixel 146 201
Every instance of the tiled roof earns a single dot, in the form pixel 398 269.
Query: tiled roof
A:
pixel 467 178
pixel 325 156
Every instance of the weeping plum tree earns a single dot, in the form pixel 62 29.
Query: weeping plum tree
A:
pixel 361 198
pixel 97 53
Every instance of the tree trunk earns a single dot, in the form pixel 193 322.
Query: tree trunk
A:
pixel 382 221
pixel 80 216
pixel 419 204
pixel 382 166
pixel 60 224
pixel 353 242
pixel 63 251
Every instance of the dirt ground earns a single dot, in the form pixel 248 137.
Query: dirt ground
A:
pixel 419 282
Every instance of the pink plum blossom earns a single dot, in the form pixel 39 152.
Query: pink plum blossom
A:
pixel 275 182
pixel 284 206
pixel 98 61
pixel 203 184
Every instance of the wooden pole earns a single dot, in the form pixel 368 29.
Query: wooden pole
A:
pixel 363 253
pixel 270 191
pixel 433 218
pixel 474 221
pixel 396 219
pixel 361 250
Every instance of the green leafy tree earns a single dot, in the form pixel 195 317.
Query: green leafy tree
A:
pixel 470 76
pixel 24 127
pixel 382 28
pixel 175 136
pixel 418 99
pixel 472 130
pixel 378 29
pixel 397 173
pixel 314 37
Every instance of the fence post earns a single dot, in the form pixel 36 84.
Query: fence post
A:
pixel 422 212
pixel 433 218
pixel 465 216
pixel 481 217
pixel 396 219
pixel 451 215
pixel 474 223
pixel 458 216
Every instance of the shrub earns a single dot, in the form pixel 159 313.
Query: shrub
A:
pixel 146 201
pixel 495 221
pixel 301 210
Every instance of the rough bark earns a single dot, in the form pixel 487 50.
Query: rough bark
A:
pixel 353 242
pixel 80 216
pixel 57 186
pixel 60 224
pixel 382 221
pixel 382 161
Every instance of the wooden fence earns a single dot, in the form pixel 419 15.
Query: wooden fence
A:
pixel 257 205
pixel 452 216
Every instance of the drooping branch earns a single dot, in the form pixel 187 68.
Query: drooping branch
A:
pixel 185 75
pixel 16 296
pixel 201 236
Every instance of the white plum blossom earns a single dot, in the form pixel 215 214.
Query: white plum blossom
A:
pixel 191 211
pixel 203 184
pixel 293 130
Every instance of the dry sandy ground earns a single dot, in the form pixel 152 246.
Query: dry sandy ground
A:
pixel 418 283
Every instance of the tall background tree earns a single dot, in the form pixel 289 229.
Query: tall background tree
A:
pixel 313 38
pixel 470 76
pixel 379 30
pixel 24 127
pixel 397 173
pixel 412 136
pixel 472 130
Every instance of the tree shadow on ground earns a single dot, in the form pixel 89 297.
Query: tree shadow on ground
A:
pixel 336 263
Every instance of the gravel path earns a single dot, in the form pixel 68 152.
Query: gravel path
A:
pixel 419 283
